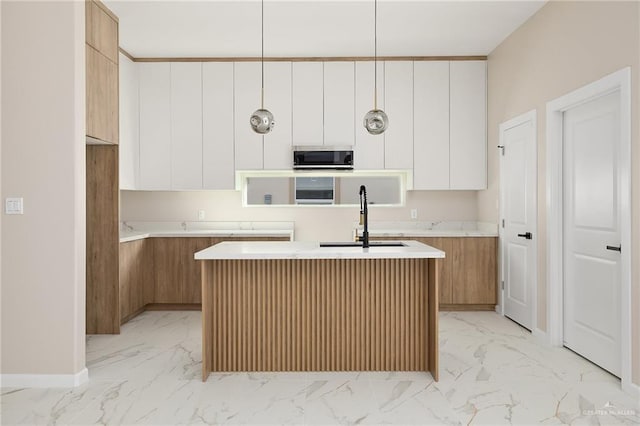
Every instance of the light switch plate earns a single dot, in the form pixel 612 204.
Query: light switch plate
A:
pixel 13 206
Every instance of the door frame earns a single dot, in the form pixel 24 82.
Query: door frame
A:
pixel 531 116
pixel 619 81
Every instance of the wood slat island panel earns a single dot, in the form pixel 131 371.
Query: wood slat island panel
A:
pixel 320 315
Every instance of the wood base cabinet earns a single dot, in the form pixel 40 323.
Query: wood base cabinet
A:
pixel 161 273
pixel 468 273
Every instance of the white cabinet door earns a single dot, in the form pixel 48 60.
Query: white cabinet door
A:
pixel 186 125
pixel 155 125
pixel 218 171
pixel 248 144
pixel 339 103
pixel 369 149
pixel 398 88
pixel 468 140
pixel 277 99
pixel 431 125
pixel 129 142
pixel 307 95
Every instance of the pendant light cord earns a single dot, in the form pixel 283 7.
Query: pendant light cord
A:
pixel 262 56
pixel 375 54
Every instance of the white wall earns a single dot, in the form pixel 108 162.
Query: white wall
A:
pixel 566 45
pixel 311 223
pixel 43 160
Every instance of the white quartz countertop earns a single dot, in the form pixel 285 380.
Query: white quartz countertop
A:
pixel 401 230
pixel 311 250
pixel 138 230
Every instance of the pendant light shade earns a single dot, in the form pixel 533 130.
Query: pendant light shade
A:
pixel 261 120
pixel 376 120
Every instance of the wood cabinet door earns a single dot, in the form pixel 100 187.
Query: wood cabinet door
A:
pixel 134 277
pixel 445 266
pixel 177 273
pixel 101 30
pixel 474 275
pixel 102 97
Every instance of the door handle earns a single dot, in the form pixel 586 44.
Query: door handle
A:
pixel 527 235
pixel 614 248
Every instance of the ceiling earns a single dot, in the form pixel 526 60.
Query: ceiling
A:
pixel 294 28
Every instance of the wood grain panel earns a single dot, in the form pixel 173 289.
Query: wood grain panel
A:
pixel 445 266
pixel 102 258
pixel 319 315
pixel 102 97
pixel 177 276
pixel 475 281
pixel 136 277
pixel 101 29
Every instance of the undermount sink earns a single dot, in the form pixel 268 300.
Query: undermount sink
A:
pixel 371 244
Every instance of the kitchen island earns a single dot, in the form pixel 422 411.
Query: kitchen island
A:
pixel 297 306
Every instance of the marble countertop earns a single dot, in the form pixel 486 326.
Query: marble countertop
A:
pixel 131 231
pixel 430 229
pixel 312 250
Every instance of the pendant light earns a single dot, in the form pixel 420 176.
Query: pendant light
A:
pixel 376 120
pixel 261 120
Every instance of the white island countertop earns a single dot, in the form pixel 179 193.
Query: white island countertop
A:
pixel 232 250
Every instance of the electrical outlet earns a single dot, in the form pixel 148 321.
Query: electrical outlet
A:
pixel 200 214
pixel 414 213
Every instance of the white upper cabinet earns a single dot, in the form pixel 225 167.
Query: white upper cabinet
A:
pixel 369 149
pixel 277 99
pixel 186 125
pixel 339 103
pixel 248 144
pixel 398 88
pixel 431 125
pixel 155 125
pixel 129 142
pixel 307 99
pixel 218 170
pixel 468 131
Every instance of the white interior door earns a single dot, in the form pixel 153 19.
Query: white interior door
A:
pixel 518 187
pixel 592 264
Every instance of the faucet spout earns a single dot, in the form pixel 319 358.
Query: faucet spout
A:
pixel 364 216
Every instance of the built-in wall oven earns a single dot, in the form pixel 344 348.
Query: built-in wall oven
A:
pixel 315 190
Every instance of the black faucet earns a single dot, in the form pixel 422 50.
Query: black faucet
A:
pixel 364 217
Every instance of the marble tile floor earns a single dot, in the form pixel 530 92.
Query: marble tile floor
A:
pixel 492 372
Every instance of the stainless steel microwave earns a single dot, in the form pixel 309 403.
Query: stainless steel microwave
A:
pixel 323 159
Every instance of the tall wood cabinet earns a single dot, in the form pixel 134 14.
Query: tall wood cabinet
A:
pixel 102 175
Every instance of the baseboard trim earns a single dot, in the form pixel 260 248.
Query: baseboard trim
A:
pixel 44 380
pixel 173 307
pixel 542 335
pixel 631 389
pixel 466 307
